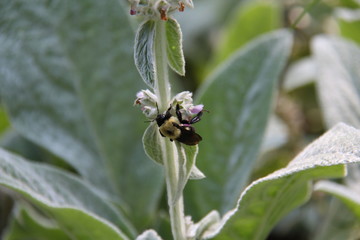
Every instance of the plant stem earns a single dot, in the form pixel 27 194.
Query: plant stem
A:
pixel 176 208
pixel 171 166
pixel 306 9
pixel 162 85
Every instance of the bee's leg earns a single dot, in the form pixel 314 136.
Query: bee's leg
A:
pixel 196 118
pixel 176 125
pixel 161 133
pixel 178 113
pixel 179 116
pixel 168 114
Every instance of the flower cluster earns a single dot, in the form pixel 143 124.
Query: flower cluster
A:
pixel 187 108
pixel 158 8
pixel 148 102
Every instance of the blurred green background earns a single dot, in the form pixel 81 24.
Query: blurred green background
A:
pixel 212 31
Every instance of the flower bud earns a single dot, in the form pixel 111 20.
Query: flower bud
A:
pixel 158 9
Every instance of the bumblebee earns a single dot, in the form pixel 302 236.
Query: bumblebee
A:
pixel 177 128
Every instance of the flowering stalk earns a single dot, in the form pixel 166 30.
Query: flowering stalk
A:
pixel 162 91
pixel 157 46
pixel 162 85
pixel 158 8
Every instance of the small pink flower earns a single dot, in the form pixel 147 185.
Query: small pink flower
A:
pixel 148 103
pixel 196 109
pixel 140 94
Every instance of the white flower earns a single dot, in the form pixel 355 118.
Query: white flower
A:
pixel 148 102
pixel 187 108
pixel 196 109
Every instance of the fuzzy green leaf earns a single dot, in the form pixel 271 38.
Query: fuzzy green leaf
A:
pixel 196 174
pixel 174 46
pixel 27 224
pixel 35 67
pixel 265 201
pixel 77 208
pixel 68 80
pixel 348 196
pixel 338 80
pixel 275 134
pixel 152 144
pixel 349 23
pixel 238 96
pixel 187 157
pixel 149 235
pixel 300 73
pixel 144 52
pixel 204 226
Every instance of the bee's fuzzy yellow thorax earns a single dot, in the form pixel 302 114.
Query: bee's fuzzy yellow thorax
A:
pixel 169 130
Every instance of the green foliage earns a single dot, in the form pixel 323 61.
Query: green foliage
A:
pixel 26 224
pixel 144 54
pixel 80 209
pixel 300 73
pixel 338 78
pixel 86 58
pixel 4 122
pixel 149 235
pixel 339 223
pixel 174 46
pixel 268 199
pixel 187 156
pixel 152 143
pixel 347 195
pixel 68 81
pixel 251 19
pixel 239 89
pixel 349 23
pixel 144 49
pixel 349 3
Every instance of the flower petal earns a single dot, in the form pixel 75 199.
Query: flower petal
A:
pixel 196 109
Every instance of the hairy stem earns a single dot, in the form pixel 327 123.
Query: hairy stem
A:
pixel 162 85
pixel 171 166
pixel 306 10
pixel 176 207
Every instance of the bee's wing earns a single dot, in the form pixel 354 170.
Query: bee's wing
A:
pixel 188 136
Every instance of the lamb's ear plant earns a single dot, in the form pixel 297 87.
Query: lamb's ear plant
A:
pixel 275 194
pixel 68 81
pixel 158 46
